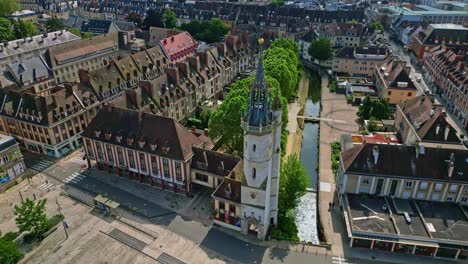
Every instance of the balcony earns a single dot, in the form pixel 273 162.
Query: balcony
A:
pixel 226 220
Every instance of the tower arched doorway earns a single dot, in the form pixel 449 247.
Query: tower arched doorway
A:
pixel 252 226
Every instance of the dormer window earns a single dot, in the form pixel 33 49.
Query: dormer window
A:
pixel 129 141
pixel 165 150
pixel 97 133
pixel 153 147
pixel 141 143
pixel 108 136
pixel 118 139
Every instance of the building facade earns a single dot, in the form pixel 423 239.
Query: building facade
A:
pixel 446 72
pixel 92 53
pixel 399 198
pixel 35 46
pixel 423 121
pixel 12 166
pixel 393 81
pixel 358 62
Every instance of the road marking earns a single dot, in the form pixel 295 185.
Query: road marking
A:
pixel 41 165
pixel 74 178
pixel 340 260
pixel 45 186
pixel 368 217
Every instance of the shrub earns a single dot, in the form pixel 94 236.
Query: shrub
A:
pixel 335 156
pixel 54 220
pixel 349 99
pixel 285 230
pixel 10 236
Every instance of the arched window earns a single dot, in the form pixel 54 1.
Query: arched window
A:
pixel 254 147
pixel 254 173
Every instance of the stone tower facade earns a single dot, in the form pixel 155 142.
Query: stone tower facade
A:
pixel 262 154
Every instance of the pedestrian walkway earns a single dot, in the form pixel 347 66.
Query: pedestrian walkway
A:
pixel 45 186
pixel 77 159
pixel 340 260
pixel 40 165
pixel 74 178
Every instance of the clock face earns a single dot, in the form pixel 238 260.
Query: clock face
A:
pixel 252 195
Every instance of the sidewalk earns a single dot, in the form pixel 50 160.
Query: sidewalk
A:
pixel 334 106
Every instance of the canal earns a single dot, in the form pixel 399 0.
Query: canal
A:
pixel 306 211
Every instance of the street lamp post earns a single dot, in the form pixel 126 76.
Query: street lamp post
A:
pixel 59 209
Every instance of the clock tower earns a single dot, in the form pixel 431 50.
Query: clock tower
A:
pixel 262 153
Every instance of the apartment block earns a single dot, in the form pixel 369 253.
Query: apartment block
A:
pixel 29 47
pixel 450 35
pixel 423 121
pixel 446 71
pixel 358 62
pixel 49 122
pixel 92 53
pixel 12 166
pixel 405 199
pixel 393 81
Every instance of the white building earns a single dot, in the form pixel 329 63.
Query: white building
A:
pixel 262 154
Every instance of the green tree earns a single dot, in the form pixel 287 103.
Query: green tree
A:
pixel 380 109
pixel 321 49
pixel 169 19
pixel 6 30
pixel 377 25
pixel 54 24
pixel 365 108
pixel 286 43
pixel 208 31
pixel 153 19
pixel 78 32
pixel 281 64
pixel 372 125
pixel 293 184
pixel 7 7
pixel 226 120
pixel 135 18
pixel 31 216
pixel 9 252
pixel 353 22
pixel 25 29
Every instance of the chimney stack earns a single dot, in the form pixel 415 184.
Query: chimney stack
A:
pixel 375 153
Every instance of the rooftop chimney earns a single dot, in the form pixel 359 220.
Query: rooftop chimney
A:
pixel 375 153
pixel 451 168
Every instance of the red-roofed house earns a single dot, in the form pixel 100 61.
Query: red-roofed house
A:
pixel 179 47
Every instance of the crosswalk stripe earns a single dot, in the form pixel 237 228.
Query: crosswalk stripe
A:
pixel 45 186
pixel 75 178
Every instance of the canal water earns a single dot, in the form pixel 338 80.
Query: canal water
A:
pixel 306 210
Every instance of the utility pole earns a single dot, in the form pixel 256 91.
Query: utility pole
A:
pixel 21 196
pixel 59 209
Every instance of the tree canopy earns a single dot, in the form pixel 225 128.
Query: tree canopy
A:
pixel 169 19
pixel 9 252
pixel 6 30
pixel 377 25
pixel 78 32
pixel 321 49
pixel 374 108
pixel 226 120
pixel 25 29
pixel 54 24
pixel 208 31
pixel 7 7
pixel 282 65
pixel 293 184
pixel 153 19
pixel 31 216
pixel 135 18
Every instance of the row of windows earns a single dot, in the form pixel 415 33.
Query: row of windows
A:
pixel 132 161
pixel 424 185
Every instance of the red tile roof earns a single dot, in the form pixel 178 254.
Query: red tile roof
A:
pixel 178 44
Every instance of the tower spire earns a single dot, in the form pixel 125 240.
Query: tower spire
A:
pixel 258 113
